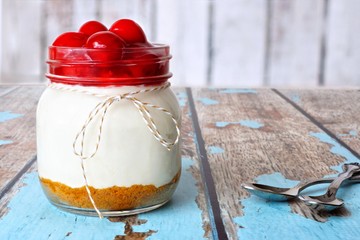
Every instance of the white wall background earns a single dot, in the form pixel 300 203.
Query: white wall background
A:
pixel 292 43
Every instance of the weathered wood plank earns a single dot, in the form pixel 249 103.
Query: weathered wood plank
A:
pixel 1 32
pixel 6 89
pixel 6 198
pixel 56 22
pixel 189 151
pixel 336 110
pixel 295 42
pixel 138 10
pixel 239 42
pixel 212 45
pixel 17 131
pixel 256 134
pixel 184 26
pixel 343 45
pixel 20 45
pixel 184 217
pixel 85 11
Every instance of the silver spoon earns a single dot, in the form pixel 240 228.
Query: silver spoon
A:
pixel 328 200
pixel 283 194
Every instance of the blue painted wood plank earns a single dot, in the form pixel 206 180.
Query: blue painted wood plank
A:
pixel 31 216
pixel 238 91
pixel 181 219
pixel 246 123
pixel 208 101
pixel 215 150
pixel 7 115
pixel 275 220
pixel 4 142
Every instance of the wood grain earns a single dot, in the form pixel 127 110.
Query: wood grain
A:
pixel 138 10
pixel 336 110
pixel 343 45
pixel 239 43
pixel 189 150
pixel 186 31
pixel 283 144
pixel 21 131
pixel 4 201
pixel 84 12
pixel 14 66
pixel 273 43
pixel 295 42
pixel 6 89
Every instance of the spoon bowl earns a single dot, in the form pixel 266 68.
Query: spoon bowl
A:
pixel 279 194
pixel 328 200
pixel 273 193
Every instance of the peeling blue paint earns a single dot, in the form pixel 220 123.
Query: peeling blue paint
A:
pixel 31 216
pixel 336 149
pixel 251 124
pixel 182 98
pixel 352 133
pixel 245 123
pixel 274 220
pixel 224 124
pixel 5 116
pixel 3 142
pixel 234 90
pixel 295 98
pixel 215 150
pixel 180 218
pixel 208 101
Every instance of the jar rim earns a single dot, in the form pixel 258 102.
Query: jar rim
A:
pixel 61 53
pixel 154 46
pixel 104 67
pixel 98 81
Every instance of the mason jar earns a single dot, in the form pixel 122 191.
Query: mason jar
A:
pixel 108 129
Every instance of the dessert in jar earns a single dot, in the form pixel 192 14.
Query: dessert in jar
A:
pixel 108 124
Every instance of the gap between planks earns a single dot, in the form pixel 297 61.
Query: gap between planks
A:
pixel 218 229
pixel 16 178
pixel 317 123
pixel 7 91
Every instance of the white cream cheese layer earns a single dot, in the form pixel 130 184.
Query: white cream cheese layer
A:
pixel 128 153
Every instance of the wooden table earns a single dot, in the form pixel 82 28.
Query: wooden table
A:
pixel 230 136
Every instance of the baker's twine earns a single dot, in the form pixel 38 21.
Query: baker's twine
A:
pixel 102 108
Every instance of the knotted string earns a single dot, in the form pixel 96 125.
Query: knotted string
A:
pixel 102 108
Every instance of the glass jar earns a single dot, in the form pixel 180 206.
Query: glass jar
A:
pixel 108 127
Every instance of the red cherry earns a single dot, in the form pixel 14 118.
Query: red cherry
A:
pixel 146 65
pixel 71 39
pixel 105 40
pixel 91 27
pixel 129 30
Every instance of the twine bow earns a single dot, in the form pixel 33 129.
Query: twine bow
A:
pixel 102 108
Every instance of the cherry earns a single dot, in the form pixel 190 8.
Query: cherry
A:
pixel 129 30
pixel 105 40
pixel 146 65
pixel 91 27
pixel 71 39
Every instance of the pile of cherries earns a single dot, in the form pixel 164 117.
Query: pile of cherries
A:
pixel 122 51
